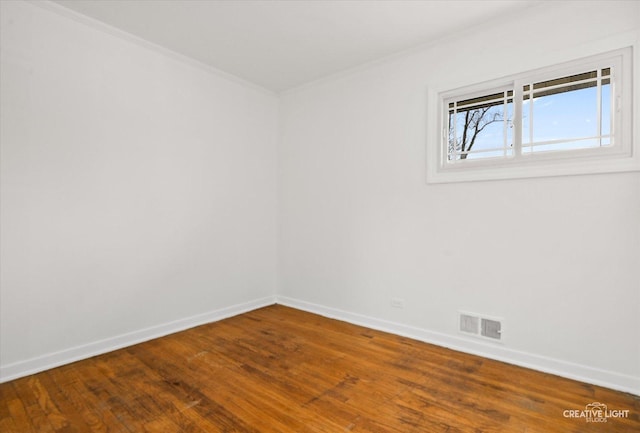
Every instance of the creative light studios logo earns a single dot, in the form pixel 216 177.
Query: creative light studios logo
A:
pixel 595 412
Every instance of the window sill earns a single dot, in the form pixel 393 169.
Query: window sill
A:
pixel 533 169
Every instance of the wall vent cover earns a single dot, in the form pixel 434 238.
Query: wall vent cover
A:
pixel 480 326
pixel 469 324
pixel 491 329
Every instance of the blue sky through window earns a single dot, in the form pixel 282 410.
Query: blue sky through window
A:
pixel 568 118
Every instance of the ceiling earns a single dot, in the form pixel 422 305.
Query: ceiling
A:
pixel 279 45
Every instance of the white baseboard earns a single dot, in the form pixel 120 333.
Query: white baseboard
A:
pixel 557 367
pixel 56 359
pixel 566 369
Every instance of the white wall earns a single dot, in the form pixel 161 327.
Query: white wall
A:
pixel 138 189
pixel 558 258
pixel 139 197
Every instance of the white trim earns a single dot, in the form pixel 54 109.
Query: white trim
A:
pixel 623 156
pixel 470 345
pixel 570 370
pixel 73 354
pixel 143 43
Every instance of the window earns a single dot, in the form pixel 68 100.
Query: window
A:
pixel 569 119
pixel 480 127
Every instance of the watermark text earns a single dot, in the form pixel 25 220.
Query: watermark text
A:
pixel 596 412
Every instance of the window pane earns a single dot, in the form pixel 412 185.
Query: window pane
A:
pixel 558 113
pixel 565 145
pixel 480 125
pixel 493 154
pixel 570 114
pixel 587 76
pixel 490 130
pixel 481 101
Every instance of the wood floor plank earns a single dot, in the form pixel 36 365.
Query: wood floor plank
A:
pixel 12 411
pixel 27 406
pixel 279 370
pixel 83 400
pixel 62 415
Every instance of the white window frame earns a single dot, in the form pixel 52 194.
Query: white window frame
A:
pixel 622 155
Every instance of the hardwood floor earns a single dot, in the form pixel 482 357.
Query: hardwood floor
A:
pixel 277 369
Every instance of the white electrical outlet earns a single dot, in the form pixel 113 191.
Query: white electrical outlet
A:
pixel 397 302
